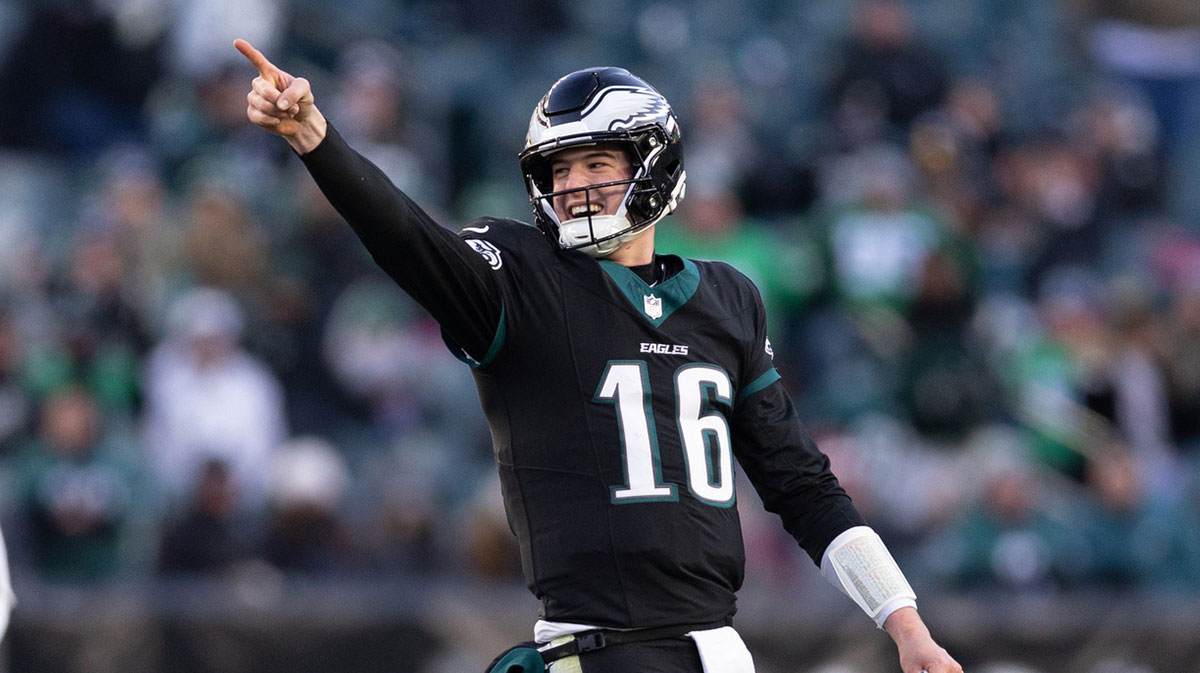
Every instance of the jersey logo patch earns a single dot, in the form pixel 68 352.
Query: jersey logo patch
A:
pixel 653 306
pixel 488 251
pixel 770 351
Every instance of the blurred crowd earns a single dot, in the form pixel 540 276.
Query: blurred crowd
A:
pixel 975 224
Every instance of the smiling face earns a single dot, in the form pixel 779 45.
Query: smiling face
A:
pixel 581 167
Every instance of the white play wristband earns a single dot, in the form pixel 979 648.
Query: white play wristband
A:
pixel 860 566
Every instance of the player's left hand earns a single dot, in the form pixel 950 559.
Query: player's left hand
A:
pixel 918 651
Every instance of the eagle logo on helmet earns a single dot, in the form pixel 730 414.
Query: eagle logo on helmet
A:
pixel 632 107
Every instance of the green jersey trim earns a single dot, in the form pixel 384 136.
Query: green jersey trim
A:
pixel 493 350
pixel 768 377
pixel 656 303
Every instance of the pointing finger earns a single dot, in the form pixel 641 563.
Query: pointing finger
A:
pixel 256 58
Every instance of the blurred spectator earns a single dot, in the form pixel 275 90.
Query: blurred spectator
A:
pixel 78 325
pixel 1011 538
pixel 1153 45
pixel 1056 185
pixel 15 406
pixel 421 489
pixel 226 246
pixel 100 321
pixel 880 233
pixel 305 491
pixel 79 489
pixel 1122 138
pixel 887 468
pixel 424 440
pixel 133 205
pixel 884 77
pixel 207 398
pixel 878 238
pixel 953 148
pixel 1005 239
pixel 721 148
pixel 1138 538
pixel 213 535
pixel 77 77
pixel 1045 365
pixel 377 112
pixel 1127 386
pixel 947 389
pixel 389 356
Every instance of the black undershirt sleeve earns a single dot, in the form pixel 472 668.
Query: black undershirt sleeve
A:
pixel 431 263
pixel 789 472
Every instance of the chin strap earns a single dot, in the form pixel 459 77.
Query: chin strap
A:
pixel 573 232
pixel 860 566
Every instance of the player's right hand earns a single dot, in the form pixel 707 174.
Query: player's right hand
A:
pixel 281 103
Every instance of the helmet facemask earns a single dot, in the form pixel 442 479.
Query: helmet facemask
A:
pixel 597 234
pixel 610 107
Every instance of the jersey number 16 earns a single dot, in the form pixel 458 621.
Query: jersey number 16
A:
pixel 705 436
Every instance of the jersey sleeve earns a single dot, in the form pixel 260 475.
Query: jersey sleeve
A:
pixel 440 270
pixel 791 475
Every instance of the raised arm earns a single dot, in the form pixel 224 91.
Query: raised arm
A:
pixel 429 262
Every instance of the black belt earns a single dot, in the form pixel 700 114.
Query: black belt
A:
pixel 598 639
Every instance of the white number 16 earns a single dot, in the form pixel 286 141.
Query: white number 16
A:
pixel 709 477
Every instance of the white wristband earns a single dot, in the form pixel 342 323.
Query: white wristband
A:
pixel 860 566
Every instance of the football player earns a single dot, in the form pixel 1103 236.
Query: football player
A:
pixel 620 385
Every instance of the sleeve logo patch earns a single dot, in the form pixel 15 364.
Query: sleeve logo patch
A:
pixel 770 351
pixel 488 251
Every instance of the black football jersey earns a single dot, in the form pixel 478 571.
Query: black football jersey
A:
pixel 617 409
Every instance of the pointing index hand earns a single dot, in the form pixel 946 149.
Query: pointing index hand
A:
pixel 265 68
pixel 281 103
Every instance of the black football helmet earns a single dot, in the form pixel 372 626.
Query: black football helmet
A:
pixel 605 105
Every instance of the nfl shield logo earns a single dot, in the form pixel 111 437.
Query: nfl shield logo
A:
pixel 653 306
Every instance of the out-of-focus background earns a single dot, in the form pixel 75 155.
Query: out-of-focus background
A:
pixel 228 443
